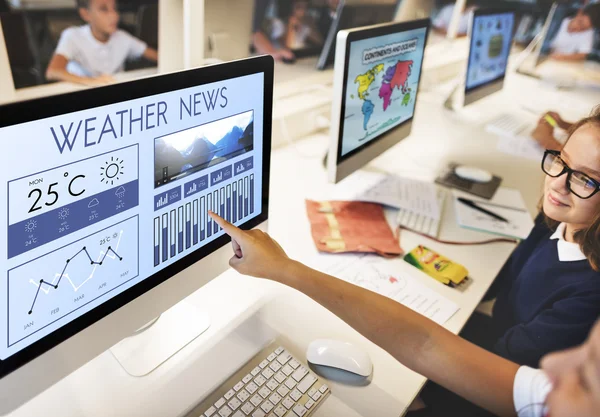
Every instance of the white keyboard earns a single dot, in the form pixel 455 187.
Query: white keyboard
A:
pixel 272 384
pixel 421 223
pixel 509 125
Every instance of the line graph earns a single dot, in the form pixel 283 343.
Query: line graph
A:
pixel 53 289
pixel 51 284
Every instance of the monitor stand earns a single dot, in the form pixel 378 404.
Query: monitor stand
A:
pixel 156 342
pixel 456 98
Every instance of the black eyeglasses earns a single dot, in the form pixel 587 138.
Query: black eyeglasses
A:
pixel 580 184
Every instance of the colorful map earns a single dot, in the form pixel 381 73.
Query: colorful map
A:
pixel 382 85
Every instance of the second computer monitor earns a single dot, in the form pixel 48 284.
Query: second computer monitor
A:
pixel 377 74
pixel 491 35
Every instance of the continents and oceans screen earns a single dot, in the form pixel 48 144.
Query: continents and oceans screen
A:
pixel 97 201
pixel 383 77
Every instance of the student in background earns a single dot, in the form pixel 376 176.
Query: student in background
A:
pixel 568 385
pixel 92 53
pixel 302 31
pixel 575 38
pixel 270 27
pixel 544 132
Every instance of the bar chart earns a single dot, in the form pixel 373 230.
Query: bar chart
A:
pixel 188 226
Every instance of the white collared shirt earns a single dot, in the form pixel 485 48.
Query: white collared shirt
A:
pixel 567 251
pixel 567 42
pixel 88 57
pixel 530 389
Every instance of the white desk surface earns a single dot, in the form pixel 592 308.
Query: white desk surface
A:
pixel 247 313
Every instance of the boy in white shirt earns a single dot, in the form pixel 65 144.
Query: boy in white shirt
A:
pixel 92 53
pixel 575 38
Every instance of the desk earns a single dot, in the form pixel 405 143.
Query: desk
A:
pixel 256 311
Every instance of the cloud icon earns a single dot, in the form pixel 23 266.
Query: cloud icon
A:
pixel 93 203
pixel 120 192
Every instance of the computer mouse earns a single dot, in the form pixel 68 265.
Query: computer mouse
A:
pixel 473 174
pixel 339 355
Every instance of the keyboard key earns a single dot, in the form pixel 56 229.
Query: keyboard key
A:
pixel 238 414
pixel 252 388
pixel 288 403
pixel 306 383
pixel 275 398
pixel 256 400
pixel 211 411
pixel 294 364
pixel 260 380
pixel 280 411
pixel 309 404
pixel 295 395
pixel 272 357
pixel 258 413
pixel 229 394
pixel 290 383
pixel 220 403
pixel 238 386
pixel 279 350
pixel 225 411
pixel 272 384
pixel 234 404
pixel 263 364
pixel 323 389
pixel 243 395
pixel 287 370
pixel 300 410
pixel 300 373
pixel 312 392
pixel 275 366
pixel 264 392
pixel 283 391
pixel 280 377
pixel 267 406
pixel 255 371
pixel 317 396
pixel 247 408
pixel 283 358
pixel 267 373
pixel 247 379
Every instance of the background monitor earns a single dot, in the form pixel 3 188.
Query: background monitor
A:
pixel 377 74
pixel 352 14
pixel 491 34
pixel 92 249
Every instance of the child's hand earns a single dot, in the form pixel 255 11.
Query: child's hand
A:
pixel 255 253
pixel 99 80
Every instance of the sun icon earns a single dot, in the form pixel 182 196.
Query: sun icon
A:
pixel 63 213
pixel 111 170
pixel 30 226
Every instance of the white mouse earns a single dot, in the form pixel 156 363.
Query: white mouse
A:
pixel 340 355
pixel 473 174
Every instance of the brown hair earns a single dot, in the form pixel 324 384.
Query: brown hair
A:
pixel 593 12
pixel 588 238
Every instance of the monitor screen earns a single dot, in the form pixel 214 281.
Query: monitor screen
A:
pixel 491 40
pixel 380 87
pixel 111 198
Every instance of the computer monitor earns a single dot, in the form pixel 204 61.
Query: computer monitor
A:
pixel 408 10
pixel 352 14
pixel 491 34
pixel 376 83
pixel 93 246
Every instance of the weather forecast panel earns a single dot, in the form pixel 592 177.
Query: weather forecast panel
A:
pixel 111 195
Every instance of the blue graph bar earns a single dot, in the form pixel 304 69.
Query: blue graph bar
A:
pixel 252 193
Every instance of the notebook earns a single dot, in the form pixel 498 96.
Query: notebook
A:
pixel 507 203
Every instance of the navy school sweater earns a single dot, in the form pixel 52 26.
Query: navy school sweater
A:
pixel 543 305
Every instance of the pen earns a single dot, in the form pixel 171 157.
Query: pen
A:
pixel 472 204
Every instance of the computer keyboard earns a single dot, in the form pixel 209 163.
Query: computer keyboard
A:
pixel 420 223
pixel 272 384
pixel 509 125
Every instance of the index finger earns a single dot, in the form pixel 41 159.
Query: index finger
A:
pixel 229 228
